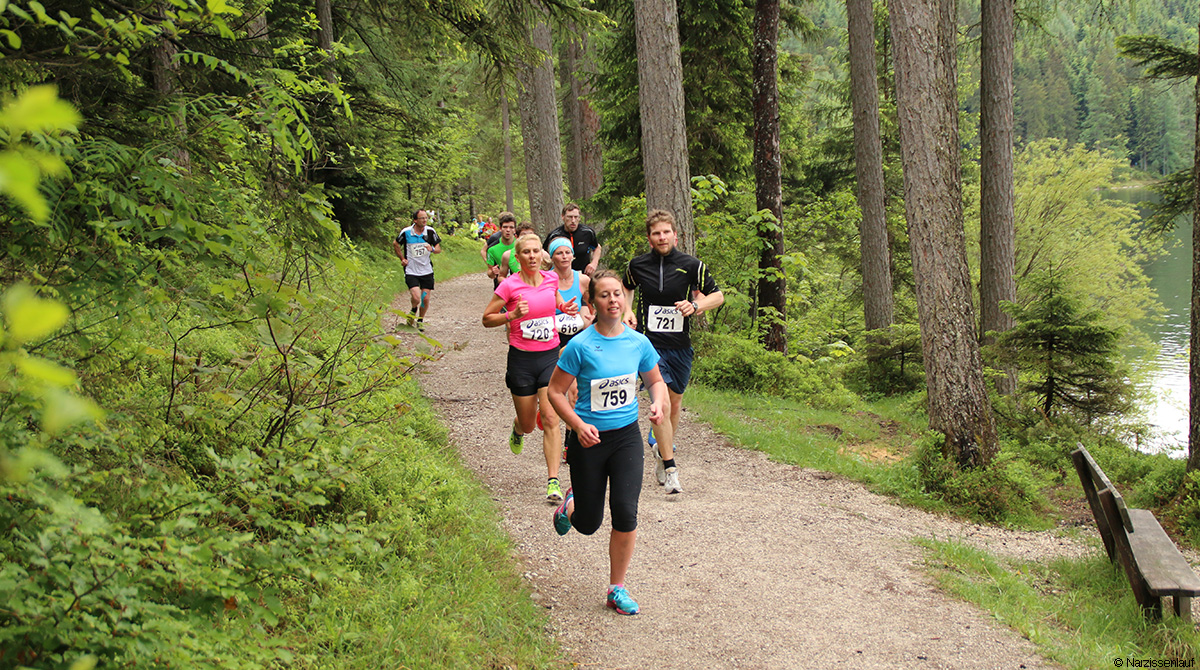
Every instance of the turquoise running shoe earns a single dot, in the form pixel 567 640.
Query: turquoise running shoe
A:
pixel 651 439
pixel 562 521
pixel 620 600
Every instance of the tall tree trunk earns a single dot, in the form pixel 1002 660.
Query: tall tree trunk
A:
pixel 567 62
pixel 164 72
pixel 325 36
pixel 584 157
pixel 997 229
pixel 259 34
pixel 664 128
pixel 768 187
pixel 538 103
pixel 878 301
pixel 924 39
pixel 504 130
pixel 1193 461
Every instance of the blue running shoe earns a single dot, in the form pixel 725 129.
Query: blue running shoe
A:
pixel 620 600
pixel 651 440
pixel 562 521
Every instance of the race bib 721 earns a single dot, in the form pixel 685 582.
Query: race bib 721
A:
pixel 664 319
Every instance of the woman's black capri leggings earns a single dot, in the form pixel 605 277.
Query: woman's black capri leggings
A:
pixel 616 461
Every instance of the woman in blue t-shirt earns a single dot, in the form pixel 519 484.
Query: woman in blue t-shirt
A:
pixel 605 443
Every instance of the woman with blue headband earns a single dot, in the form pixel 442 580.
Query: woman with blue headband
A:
pixel 571 284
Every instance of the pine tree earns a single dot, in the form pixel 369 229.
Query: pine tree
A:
pixel 1067 356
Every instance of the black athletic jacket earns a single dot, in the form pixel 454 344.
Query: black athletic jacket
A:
pixel 665 280
pixel 583 241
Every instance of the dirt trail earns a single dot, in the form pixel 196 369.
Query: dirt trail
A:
pixel 755 565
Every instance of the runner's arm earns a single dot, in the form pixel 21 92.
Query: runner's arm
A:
pixel 660 400
pixel 629 317
pixel 492 316
pixel 560 383
pixel 700 303
pixel 595 263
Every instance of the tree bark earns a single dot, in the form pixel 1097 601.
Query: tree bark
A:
pixel 1193 461
pixel 924 38
pixel 584 156
pixel 164 72
pixel 878 300
pixel 997 228
pixel 259 34
pixel 538 104
pixel 664 128
pixel 768 186
pixel 504 129
pixel 325 36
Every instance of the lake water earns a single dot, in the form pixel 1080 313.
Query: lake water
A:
pixel 1167 373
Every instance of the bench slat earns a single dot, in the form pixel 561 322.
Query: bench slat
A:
pixel 1102 483
pixel 1087 479
pixel 1164 568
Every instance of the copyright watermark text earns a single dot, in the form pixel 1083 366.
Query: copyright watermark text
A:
pixel 1154 662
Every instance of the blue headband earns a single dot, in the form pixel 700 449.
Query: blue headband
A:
pixel 559 242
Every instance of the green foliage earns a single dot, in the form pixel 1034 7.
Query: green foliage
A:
pixel 1007 489
pixel 733 363
pixel 1068 359
pixel 1079 612
pixel 1091 244
pixel 888 362
pixel 1185 509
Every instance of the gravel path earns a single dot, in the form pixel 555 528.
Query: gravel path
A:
pixel 755 565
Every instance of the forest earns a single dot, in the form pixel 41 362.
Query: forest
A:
pixel 209 448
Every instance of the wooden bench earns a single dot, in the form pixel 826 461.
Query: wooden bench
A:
pixel 1134 538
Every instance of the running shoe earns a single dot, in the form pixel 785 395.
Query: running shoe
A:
pixel 620 600
pixel 651 439
pixel 539 420
pixel 562 521
pixel 660 470
pixel 516 442
pixel 553 490
pixel 672 481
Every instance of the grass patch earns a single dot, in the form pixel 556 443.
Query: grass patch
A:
pixel 872 444
pixel 1079 612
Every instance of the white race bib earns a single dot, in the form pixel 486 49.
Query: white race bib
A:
pixel 664 319
pixel 419 250
pixel 538 330
pixel 567 324
pixel 614 392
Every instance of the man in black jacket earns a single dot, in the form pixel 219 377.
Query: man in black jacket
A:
pixel 671 288
pixel 583 240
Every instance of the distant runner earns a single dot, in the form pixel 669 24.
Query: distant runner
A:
pixel 415 246
pixel 502 241
pixel 584 243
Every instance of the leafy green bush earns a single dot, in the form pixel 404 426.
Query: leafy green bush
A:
pixel 1008 489
pixel 730 362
